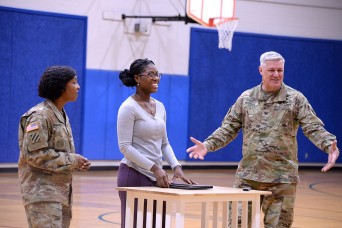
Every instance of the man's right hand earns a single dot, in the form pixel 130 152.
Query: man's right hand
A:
pixel 198 151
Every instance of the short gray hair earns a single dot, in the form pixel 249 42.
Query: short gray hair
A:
pixel 270 55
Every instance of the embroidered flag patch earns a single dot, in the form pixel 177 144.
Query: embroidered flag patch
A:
pixel 32 126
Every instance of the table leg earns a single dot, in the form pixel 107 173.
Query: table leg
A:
pixel 215 215
pixel 159 214
pixel 234 214
pixel 204 218
pixel 179 214
pixel 140 213
pixel 225 214
pixel 129 210
pixel 256 212
pixel 149 213
pixel 168 214
pixel 244 214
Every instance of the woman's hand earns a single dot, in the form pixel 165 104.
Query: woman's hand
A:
pixel 161 176
pixel 178 173
pixel 82 163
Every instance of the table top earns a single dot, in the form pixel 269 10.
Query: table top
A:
pixel 216 190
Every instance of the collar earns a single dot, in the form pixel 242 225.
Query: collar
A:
pixel 280 96
pixel 57 113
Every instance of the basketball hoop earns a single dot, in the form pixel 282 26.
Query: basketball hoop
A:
pixel 226 28
pixel 215 13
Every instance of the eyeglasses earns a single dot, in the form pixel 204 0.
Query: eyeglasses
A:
pixel 152 74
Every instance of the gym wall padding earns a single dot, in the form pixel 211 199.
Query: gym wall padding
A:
pixel 104 95
pixel 30 41
pixel 218 77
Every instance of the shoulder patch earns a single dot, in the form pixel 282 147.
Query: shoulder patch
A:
pixel 32 126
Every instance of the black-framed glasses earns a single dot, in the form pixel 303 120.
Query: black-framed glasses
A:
pixel 152 74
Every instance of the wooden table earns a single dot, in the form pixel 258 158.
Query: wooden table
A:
pixel 177 198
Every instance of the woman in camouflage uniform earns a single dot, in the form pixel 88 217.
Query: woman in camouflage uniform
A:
pixel 47 152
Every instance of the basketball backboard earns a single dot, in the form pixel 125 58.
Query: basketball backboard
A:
pixel 205 12
pixel 215 13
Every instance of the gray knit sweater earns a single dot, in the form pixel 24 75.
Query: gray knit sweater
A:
pixel 142 137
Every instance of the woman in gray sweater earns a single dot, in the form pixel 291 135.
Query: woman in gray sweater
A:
pixel 142 136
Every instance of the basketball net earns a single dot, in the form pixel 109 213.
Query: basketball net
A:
pixel 226 28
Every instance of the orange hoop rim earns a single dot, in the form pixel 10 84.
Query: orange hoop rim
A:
pixel 221 20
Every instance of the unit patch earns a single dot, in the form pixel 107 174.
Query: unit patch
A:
pixel 35 137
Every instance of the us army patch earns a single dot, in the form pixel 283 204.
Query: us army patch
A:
pixel 32 126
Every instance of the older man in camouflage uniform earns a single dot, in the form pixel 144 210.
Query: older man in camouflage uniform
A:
pixel 269 115
pixel 47 152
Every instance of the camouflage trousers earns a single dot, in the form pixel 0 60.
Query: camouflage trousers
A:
pixel 278 208
pixel 48 215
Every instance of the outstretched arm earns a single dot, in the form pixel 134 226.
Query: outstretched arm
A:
pixel 198 151
pixel 333 155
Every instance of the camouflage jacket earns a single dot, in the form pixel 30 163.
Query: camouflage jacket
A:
pixel 269 127
pixel 46 155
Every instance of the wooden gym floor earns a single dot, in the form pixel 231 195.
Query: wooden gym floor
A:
pixel 97 205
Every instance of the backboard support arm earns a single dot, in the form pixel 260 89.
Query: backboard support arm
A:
pixel 186 19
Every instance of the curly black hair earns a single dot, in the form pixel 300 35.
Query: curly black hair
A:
pixel 52 82
pixel 137 67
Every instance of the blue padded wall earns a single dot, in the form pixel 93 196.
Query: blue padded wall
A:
pixel 218 77
pixel 99 116
pixel 30 41
pixel 5 81
pixel 104 95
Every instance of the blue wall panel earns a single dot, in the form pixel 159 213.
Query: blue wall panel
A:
pixel 104 94
pixel 177 114
pixel 30 42
pixel 95 115
pixel 5 80
pixel 218 77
